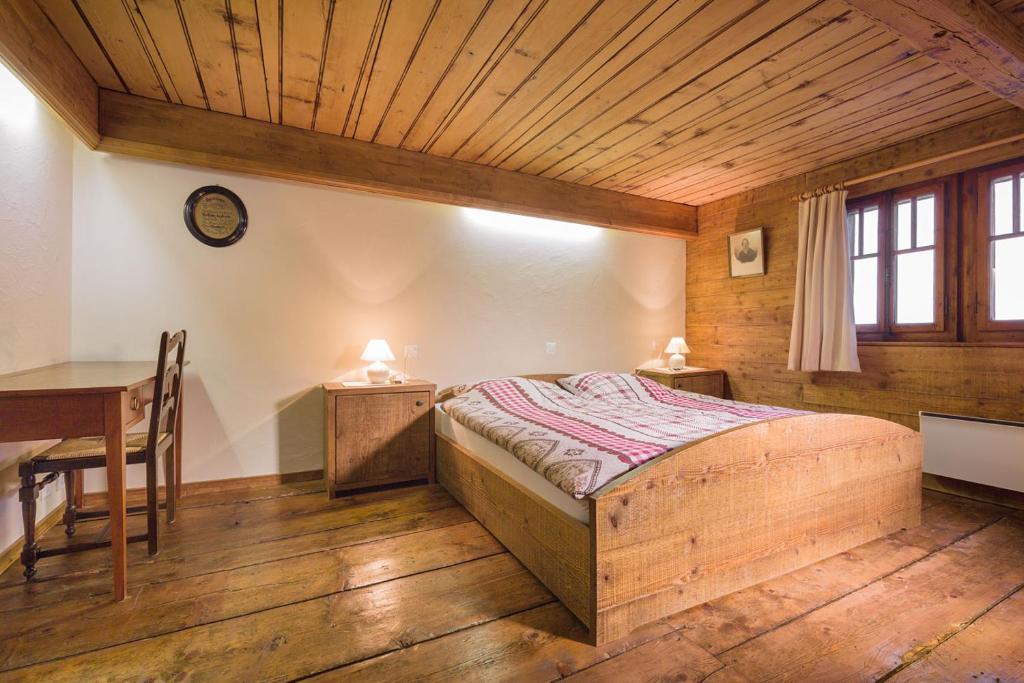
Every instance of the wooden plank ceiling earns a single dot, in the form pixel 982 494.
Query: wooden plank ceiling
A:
pixel 686 101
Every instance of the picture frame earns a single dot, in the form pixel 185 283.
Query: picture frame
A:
pixel 216 216
pixel 746 253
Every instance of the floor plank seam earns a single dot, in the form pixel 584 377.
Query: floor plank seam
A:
pixel 641 644
pixel 858 588
pixel 157 559
pixel 257 611
pixel 421 642
pixel 145 584
pixel 921 652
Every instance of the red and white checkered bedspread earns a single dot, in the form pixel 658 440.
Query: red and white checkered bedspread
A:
pixel 580 443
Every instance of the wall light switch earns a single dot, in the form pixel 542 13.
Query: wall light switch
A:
pixel 551 348
pixel 412 351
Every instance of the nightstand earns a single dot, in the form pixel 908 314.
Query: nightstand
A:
pixel 376 434
pixel 697 380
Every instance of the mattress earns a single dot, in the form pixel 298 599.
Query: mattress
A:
pixel 509 465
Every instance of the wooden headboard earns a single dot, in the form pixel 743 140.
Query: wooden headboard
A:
pixel 449 392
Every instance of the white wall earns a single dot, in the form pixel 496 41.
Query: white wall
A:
pixel 323 270
pixel 35 264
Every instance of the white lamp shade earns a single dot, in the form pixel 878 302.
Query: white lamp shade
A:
pixel 677 345
pixel 377 350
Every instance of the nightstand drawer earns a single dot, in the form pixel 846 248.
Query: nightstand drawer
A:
pixel 711 385
pixel 382 438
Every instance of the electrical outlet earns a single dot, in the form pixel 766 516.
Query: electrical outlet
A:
pixel 412 351
pixel 551 348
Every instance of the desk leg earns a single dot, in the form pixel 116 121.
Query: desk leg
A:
pixel 179 421
pixel 115 409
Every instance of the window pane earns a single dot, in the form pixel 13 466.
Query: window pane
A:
pixel 1002 206
pixel 1008 279
pixel 870 245
pixel 925 221
pixel 903 225
pixel 851 233
pixel 865 291
pixel 915 287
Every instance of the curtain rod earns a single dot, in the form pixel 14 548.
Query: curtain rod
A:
pixel 907 167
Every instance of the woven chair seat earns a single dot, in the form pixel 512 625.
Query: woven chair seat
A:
pixel 91 447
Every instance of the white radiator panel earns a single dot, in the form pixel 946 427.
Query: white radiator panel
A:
pixel 972 449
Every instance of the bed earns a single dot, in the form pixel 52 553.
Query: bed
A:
pixel 708 518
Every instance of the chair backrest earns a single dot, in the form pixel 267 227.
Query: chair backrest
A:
pixel 167 393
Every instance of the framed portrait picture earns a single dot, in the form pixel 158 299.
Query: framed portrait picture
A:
pixel 746 253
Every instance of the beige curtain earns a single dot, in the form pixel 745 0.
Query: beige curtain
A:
pixel 824 335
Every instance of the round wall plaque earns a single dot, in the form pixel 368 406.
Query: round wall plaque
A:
pixel 215 216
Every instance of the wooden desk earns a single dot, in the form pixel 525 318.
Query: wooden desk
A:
pixel 86 399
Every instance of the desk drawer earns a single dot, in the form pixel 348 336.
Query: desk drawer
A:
pixel 137 400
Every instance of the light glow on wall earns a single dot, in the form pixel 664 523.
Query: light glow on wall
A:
pixel 528 225
pixel 17 103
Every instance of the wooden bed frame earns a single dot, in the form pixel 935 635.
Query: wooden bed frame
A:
pixel 705 519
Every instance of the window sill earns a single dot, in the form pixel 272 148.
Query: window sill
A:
pixel 994 344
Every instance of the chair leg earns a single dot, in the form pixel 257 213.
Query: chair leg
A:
pixel 151 502
pixel 170 488
pixel 70 511
pixel 27 495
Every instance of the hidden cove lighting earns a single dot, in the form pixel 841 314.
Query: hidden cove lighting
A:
pixel 17 103
pixel 528 225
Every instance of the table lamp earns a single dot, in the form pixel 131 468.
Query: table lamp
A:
pixel 677 347
pixel 377 351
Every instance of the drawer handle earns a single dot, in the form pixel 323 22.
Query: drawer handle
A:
pixel 420 402
pixel 135 403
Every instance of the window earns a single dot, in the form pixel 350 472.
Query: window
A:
pixel 999 255
pixel 862 227
pixel 897 259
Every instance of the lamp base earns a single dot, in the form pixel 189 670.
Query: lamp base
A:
pixel 378 373
pixel 677 361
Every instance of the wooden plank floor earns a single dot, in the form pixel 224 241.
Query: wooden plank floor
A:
pixel 281 583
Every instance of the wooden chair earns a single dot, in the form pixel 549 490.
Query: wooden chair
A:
pixel 71 456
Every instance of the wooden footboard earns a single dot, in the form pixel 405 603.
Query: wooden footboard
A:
pixel 744 506
pixel 707 519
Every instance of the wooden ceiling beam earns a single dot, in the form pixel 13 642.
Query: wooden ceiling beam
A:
pixel 169 132
pixel 34 51
pixel 969 36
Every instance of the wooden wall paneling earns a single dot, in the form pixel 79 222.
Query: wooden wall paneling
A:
pixel 972 38
pixel 751 337
pixel 33 49
pixel 152 129
pixel 401 38
pixel 115 28
pixel 210 38
pixel 306 26
pixel 82 42
pixel 170 40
